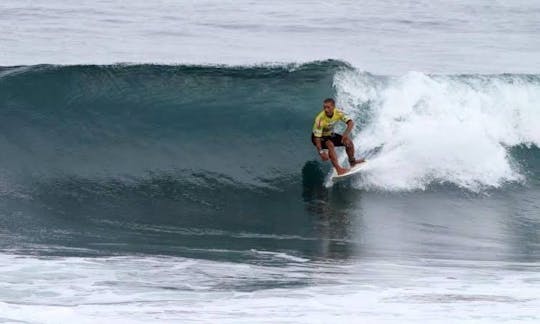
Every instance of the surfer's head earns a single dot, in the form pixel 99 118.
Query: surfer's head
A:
pixel 329 105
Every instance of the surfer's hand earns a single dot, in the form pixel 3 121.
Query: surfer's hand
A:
pixel 324 156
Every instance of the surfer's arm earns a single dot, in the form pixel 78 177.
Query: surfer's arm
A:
pixel 347 120
pixel 318 144
pixel 317 134
pixel 350 125
pixel 345 137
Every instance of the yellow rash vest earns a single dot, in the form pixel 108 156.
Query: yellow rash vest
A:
pixel 324 125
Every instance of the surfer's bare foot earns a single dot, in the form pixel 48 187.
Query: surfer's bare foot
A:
pixel 357 161
pixel 341 171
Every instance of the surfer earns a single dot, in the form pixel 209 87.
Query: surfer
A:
pixel 324 138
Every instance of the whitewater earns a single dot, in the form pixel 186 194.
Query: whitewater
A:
pixel 450 129
pixel 156 166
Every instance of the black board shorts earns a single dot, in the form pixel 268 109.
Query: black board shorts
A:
pixel 334 138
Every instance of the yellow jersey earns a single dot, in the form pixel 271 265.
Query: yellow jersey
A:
pixel 324 125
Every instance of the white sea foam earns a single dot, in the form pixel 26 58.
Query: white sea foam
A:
pixel 170 289
pixel 448 129
pixel 280 255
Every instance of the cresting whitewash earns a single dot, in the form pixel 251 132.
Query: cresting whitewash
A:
pixel 448 129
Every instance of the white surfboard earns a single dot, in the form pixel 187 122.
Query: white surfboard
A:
pixel 354 170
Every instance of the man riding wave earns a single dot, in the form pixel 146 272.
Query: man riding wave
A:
pixel 324 138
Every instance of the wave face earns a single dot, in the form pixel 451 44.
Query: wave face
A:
pixel 243 124
pixel 152 153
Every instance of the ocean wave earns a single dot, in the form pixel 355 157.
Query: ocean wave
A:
pixel 250 125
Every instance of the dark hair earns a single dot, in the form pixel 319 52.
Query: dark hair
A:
pixel 331 100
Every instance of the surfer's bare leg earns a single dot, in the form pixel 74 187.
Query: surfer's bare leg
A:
pixel 333 157
pixel 349 148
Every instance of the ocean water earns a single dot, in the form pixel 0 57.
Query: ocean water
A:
pixel 156 163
